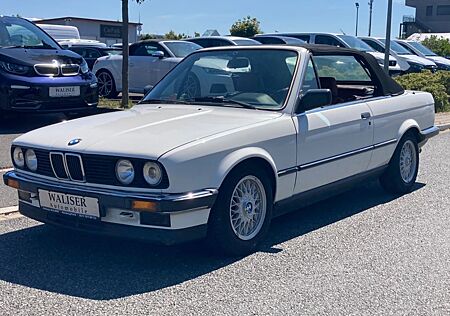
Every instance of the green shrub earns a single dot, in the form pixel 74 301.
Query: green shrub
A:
pixel 440 46
pixel 438 84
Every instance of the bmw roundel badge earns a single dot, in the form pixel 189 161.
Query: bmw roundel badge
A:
pixel 74 141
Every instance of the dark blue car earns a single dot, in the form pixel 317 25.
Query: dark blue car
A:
pixel 38 75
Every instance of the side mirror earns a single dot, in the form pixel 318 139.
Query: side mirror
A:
pixel 158 54
pixel 314 98
pixel 147 89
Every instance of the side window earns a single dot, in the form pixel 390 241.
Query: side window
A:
pixel 310 79
pixel 375 46
pixel 305 38
pixel 91 53
pixel 341 68
pixel 144 49
pixel 327 40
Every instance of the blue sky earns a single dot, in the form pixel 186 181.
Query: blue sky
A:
pixel 188 17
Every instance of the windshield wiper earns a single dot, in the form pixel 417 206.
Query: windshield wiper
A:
pixel 162 101
pixel 222 100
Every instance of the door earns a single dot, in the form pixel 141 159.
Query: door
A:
pixel 143 67
pixel 333 142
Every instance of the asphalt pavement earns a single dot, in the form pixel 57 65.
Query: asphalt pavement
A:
pixel 361 253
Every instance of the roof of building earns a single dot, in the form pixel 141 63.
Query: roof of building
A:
pixel 80 19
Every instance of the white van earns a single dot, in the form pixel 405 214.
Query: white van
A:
pixel 61 32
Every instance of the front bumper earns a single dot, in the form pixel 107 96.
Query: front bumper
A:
pixel 176 218
pixel 31 94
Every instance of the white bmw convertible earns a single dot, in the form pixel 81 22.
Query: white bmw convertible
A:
pixel 229 139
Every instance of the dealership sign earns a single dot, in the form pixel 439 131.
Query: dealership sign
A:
pixel 111 31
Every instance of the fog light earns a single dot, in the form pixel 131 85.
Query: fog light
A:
pixel 144 206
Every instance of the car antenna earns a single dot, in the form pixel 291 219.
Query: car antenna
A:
pixel 343 31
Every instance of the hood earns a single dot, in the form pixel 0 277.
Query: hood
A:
pixel 418 60
pixel 31 57
pixel 380 56
pixel 439 60
pixel 145 131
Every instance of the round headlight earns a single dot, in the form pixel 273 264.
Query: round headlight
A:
pixel 18 158
pixel 125 171
pixel 152 173
pixel 31 160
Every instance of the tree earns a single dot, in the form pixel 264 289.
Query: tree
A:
pixel 196 34
pixel 440 46
pixel 247 27
pixel 171 35
pixel 144 37
pixel 125 52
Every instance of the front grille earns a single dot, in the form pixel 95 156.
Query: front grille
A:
pixel 95 169
pixel 70 69
pixel 47 69
pixel 53 70
pixel 75 167
pixel 57 162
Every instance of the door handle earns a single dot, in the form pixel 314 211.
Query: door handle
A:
pixel 365 115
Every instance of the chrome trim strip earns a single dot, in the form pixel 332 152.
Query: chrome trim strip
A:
pixel 64 164
pixel 81 166
pixel 117 193
pixel 334 158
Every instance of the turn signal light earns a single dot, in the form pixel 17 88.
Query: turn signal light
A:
pixel 13 184
pixel 145 206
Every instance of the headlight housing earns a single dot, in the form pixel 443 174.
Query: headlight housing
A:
pixel 31 159
pixel 15 68
pixel 125 171
pixel 84 67
pixel 18 157
pixel 152 173
pixel 416 66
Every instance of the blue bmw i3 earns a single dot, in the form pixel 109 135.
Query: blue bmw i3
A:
pixel 38 75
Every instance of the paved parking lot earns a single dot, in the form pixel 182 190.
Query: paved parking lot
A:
pixel 361 253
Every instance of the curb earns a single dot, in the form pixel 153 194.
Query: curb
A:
pixel 9 210
pixel 444 127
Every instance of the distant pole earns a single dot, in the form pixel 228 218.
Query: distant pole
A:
pixel 370 16
pixel 357 18
pixel 388 37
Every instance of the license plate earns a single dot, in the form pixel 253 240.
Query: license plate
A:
pixel 68 204
pixel 62 92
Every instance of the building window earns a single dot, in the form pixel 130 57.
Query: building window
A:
pixel 443 10
pixel 429 10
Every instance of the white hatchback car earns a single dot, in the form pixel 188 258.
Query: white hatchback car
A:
pixel 149 61
pixel 271 129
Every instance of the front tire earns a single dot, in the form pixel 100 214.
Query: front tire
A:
pixel 401 174
pixel 241 216
pixel 106 84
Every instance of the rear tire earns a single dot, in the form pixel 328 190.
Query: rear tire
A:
pixel 401 174
pixel 241 216
pixel 106 84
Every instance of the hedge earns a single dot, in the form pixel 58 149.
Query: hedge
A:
pixel 438 84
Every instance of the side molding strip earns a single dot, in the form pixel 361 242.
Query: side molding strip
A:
pixel 313 164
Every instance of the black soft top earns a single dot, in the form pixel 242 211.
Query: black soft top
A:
pixel 388 86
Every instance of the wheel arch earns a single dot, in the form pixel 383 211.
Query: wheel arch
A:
pixel 252 156
pixel 409 126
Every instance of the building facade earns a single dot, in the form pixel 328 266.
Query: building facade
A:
pixel 432 16
pixel 106 31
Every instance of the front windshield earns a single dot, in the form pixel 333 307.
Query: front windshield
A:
pixel 19 33
pixel 356 43
pixel 251 78
pixel 182 49
pixel 396 47
pixel 424 50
